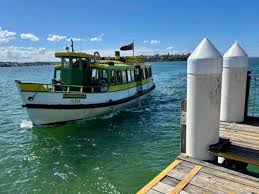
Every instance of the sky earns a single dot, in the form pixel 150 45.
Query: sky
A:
pixel 32 30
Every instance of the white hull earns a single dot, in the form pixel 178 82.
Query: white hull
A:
pixel 40 116
pixel 52 107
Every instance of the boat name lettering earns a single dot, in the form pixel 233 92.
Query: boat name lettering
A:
pixel 74 96
pixel 74 101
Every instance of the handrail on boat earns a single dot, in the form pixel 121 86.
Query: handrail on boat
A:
pixel 69 88
pixel 81 89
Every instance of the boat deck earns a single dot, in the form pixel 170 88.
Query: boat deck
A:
pixel 187 175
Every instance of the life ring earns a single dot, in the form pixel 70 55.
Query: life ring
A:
pixel 97 57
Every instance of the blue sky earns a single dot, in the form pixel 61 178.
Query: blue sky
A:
pixel 32 30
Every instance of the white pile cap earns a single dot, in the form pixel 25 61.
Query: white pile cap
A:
pixel 235 57
pixel 205 59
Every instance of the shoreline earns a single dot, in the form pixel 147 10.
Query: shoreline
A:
pixel 27 64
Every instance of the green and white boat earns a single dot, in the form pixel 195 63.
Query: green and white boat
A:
pixel 84 86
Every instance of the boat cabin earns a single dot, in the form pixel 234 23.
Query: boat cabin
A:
pixel 88 71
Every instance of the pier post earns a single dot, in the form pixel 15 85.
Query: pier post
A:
pixel 234 79
pixel 204 72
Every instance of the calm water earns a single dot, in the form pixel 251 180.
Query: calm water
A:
pixel 114 154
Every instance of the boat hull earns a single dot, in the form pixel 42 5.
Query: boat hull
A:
pixel 48 107
pixel 43 116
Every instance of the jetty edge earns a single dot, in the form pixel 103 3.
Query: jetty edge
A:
pixel 218 165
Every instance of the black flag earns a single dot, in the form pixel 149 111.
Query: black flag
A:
pixel 127 47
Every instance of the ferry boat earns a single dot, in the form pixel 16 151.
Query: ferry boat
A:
pixel 85 86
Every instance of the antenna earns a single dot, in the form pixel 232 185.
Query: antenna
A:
pixel 133 48
pixel 72 45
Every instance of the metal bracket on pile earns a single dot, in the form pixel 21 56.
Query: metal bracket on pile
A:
pixel 183 118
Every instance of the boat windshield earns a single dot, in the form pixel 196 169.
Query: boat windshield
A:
pixel 75 63
pixel 65 62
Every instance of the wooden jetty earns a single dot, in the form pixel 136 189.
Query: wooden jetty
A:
pixel 233 144
pixel 187 175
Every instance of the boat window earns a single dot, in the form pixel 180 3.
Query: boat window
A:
pixel 132 76
pixel 147 72
pixel 137 71
pixel 75 63
pixel 112 77
pixel 57 75
pixel 65 63
pixel 94 73
pixel 144 75
pixel 118 75
pixel 150 71
pixel 124 78
pixel 129 76
pixel 104 74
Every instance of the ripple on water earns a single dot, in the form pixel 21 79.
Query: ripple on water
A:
pixel 26 124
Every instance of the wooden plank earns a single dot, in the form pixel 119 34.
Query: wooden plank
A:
pixel 183 157
pixel 206 181
pixel 152 191
pixel 237 153
pixel 246 145
pixel 164 188
pixel 189 188
pixel 243 134
pixel 235 157
pixel 227 176
pixel 234 139
pixel 242 130
pixel 216 188
pixel 186 180
pixel 239 186
pixel 241 127
pixel 154 181
pixel 254 138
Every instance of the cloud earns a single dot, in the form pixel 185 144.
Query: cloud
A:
pixel 29 36
pixel 97 38
pixel 170 48
pixel 152 41
pixel 6 36
pixel 34 54
pixel 55 37
pixel 75 39
pixel 26 54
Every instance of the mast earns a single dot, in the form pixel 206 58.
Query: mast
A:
pixel 81 43
pixel 72 45
pixel 133 48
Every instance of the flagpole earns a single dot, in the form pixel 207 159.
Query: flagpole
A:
pixel 133 48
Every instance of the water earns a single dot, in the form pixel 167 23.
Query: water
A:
pixel 113 154
pixel 117 153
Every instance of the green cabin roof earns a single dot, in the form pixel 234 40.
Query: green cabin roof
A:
pixel 73 54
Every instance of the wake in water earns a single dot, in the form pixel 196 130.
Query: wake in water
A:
pixel 26 124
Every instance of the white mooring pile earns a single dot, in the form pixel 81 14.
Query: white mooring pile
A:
pixel 234 84
pixel 206 103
